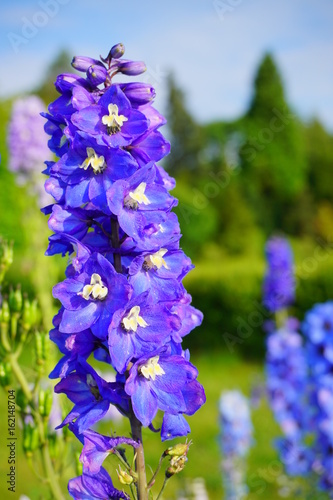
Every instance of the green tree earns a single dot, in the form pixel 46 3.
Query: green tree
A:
pixel 61 64
pixel 273 157
pixel 186 135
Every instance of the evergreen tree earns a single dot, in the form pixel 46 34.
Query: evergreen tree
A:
pixel 61 64
pixel 273 157
pixel 186 135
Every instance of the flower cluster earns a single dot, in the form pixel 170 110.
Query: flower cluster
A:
pixel 318 329
pixel 235 441
pixel 27 143
pixel 286 364
pixel 122 299
pixel 286 373
pixel 279 281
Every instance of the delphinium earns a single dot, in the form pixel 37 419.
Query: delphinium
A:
pixel 286 365
pixel 122 299
pixel 235 442
pixel 27 146
pixel 27 152
pixel 318 330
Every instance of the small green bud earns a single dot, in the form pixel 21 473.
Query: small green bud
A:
pixel 15 299
pixel 39 348
pixel 48 402
pixel 5 312
pixel 6 254
pixel 21 399
pixel 126 477
pixel 34 312
pixel 178 450
pixel 30 439
pixel 26 317
pixel 41 402
pixel 177 464
pixel 5 374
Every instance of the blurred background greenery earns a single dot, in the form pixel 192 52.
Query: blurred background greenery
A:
pixel 237 183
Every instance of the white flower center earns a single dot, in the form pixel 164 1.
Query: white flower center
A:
pixel 137 196
pixel 113 121
pixel 156 260
pixel 96 289
pixel 132 320
pixel 97 163
pixel 151 369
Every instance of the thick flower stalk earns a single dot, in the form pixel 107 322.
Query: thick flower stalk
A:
pixel 318 330
pixel 235 441
pixel 122 298
pixel 27 144
pixel 286 365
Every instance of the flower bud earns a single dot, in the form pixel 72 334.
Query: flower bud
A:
pixel 178 450
pixel 131 68
pixel 21 399
pixel 34 312
pixel 117 51
pixel 30 438
pixel 177 464
pixel 5 312
pixel 5 374
pixel 82 63
pixel 139 93
pixel 6 254
pixel 125 477
pixel 26 316
pixel 97 74
pixel 15 299
pixel 39 348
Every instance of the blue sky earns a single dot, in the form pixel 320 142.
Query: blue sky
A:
pixel 212 46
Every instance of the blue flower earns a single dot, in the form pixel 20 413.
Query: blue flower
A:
pixel 113 121
pixel 91 396
pixel 279 281
pixel 94 487
pixel 91 297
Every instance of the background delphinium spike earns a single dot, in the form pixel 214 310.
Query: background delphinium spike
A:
pixel 235 442
pixel 122 298
pixel 27 146
pixel 28 151
pixel 318 330
pixel 286 364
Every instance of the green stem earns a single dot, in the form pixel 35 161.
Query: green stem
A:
pixel 281 317
pixel 152 481
pixel 164 484
pixel 141 486
pixel 49 471
pixel 4 337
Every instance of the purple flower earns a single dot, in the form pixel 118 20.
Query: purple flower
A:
pixel 94 487
pixel 113 121
pixel 91 396
pixel 89 169
pixel 138 329
pixel 97 448
pixel 279 282
pixel 91 297
pixel 158 381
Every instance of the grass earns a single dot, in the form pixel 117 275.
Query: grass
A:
pixel 217 372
